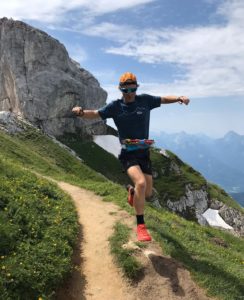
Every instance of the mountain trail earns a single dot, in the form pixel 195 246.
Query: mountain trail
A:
pixel 96 277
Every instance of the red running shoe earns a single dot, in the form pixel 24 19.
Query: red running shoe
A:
pixel 131 193
pixel 142 233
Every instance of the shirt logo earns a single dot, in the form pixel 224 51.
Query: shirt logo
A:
pixel 139 112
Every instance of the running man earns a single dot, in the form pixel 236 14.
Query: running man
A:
pixel 131 115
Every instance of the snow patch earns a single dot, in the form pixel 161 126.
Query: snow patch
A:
pixel 214 219
pixel 110 143
pixel 164 152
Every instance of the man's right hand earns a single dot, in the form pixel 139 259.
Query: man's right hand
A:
pixel 78 111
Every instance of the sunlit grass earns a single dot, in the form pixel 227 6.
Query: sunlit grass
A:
pixel 217 268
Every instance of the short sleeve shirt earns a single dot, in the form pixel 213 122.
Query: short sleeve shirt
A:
pixel 131 119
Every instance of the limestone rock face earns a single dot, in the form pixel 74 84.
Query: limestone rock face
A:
pixel 39 81
pixel 233 217
pixel 192 205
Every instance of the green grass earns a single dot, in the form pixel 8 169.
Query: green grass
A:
pixel 124 257
pixel 173 183
pixel 216 268
pixel 37 152
pixel 96 158
pixel 38 232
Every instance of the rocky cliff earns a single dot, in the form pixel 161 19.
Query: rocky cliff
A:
pixel 185 191
pixel 39 82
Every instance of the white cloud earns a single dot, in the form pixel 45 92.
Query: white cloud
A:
pixel 118 33
pixel 32 10
pixel 55 10
pixel 233 11
pixel 98 7
pixel 211 56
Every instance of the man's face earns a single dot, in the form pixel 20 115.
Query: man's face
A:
pixel 129 91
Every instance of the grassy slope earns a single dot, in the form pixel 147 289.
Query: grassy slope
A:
pixel 216 267
pixel 174 184
pixel 96 158
pixel 167 181
pixel 38 229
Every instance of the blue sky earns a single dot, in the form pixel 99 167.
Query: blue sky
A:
pixel 179 47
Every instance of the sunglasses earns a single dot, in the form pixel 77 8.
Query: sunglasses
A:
pixel 129 90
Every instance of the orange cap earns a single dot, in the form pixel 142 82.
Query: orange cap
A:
pixel 127 77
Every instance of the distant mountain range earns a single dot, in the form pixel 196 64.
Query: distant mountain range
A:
pixel 220 160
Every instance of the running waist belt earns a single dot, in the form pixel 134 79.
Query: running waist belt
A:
pixel 136 144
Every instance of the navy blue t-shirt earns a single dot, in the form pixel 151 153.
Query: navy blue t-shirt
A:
pixel 132 119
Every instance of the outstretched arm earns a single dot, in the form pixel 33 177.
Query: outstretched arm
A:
pixel 173 99
pixel 87 114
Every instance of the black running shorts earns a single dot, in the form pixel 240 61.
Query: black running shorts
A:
pixel 136 158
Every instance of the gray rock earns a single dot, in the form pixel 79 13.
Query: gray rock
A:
pixel 201 220
pixel 215 204
pixel 194 202
pixel 41 83
pixel 11 123
pixel 233 217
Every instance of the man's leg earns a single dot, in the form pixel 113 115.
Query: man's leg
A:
pixel 139 180
pixel 149 185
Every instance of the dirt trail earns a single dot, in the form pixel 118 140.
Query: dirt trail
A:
pixel 96 276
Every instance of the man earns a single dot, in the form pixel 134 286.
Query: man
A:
pixel 131 115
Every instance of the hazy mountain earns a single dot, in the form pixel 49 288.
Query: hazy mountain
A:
pixel 219 160
pixel 230 149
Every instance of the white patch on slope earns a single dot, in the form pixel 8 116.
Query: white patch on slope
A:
pixel 214 219
pixel 110 143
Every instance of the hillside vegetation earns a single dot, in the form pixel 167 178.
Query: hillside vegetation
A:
pixel 167 182
pixel 38 229
pixel 214 258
